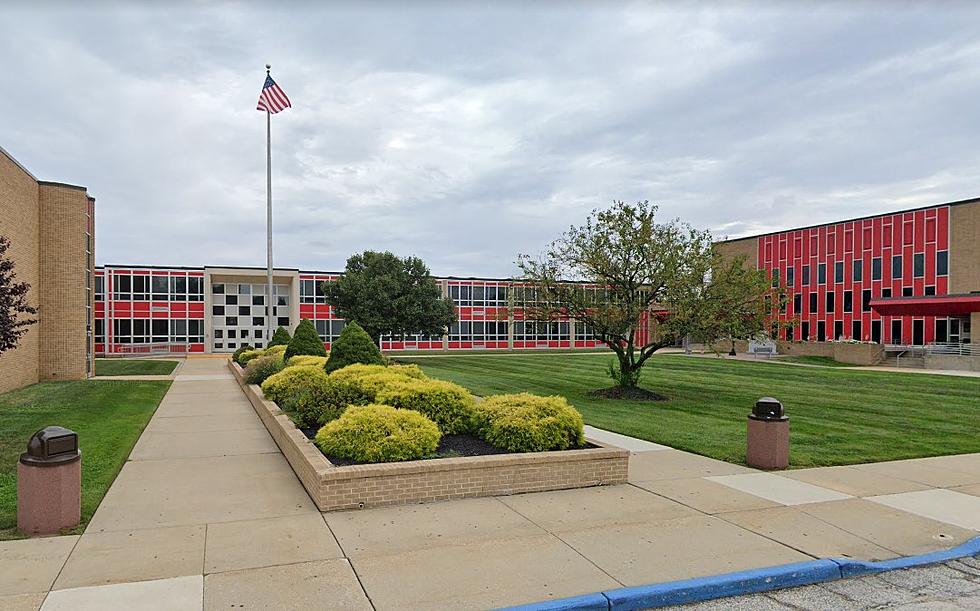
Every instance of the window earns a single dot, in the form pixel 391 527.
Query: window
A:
pixel 797 303
pixel 856 329
pixel 839 271
pixel 942 263
pixel 160 330
pixel 258 300
pixel 218 289
pixel 195 288
pixel 886 293
pixel 99 331
pixel 930 290
pixel 775 277
pixel 813 303
pixel 307 291
pixel 821 331
pixel 100 288
pixel 789 333
pixel 805 331
pixel 838 329
pixel 942 334
pixel 830 302
pixel 178 331
pixel 866 300
pixel 918 265
pixel 876 268
pixel 122 287
pixel 231 321
pixel 897 266
pixel 258 321
pixel 141 288
pixel 195 331
pixel 244 310
pixel 158 284
pixel 806 275
pixel 283 321
pixel 178 288
pixel 848 301
pixel 896 331
pixel 857 271
pixel 231 299
pixel 907 291
pixel 790 276
pixel 822 273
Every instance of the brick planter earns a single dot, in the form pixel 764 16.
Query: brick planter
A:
pixel 356 486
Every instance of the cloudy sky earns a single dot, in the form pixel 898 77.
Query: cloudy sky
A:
pixel 466 134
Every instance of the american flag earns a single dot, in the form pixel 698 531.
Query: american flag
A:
pixel 272 99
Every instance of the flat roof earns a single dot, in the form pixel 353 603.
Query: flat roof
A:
pixel 284 269
pixel 972 200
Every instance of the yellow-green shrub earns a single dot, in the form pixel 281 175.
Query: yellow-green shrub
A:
pixel 411 370
pixel 448 405
pixel 282 387
pixel 307 359
pixel 247 355
pixel 277 350
pixel 379 433
pixel 258 369
pixel 528 423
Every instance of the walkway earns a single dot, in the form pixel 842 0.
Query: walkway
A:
pixel 207 514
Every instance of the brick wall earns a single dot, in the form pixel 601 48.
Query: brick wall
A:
pixel 63 279
pixel 360 486
pixel 749 247
pixel 964 249
pixel 19 223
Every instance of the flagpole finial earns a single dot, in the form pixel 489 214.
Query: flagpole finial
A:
pixel 267 68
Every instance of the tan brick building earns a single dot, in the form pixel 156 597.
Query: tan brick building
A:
pixel 51 227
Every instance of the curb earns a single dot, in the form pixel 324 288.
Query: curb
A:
pixel 743 582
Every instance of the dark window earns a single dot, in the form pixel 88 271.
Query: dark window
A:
pixel 856 329
pixel 822 273
pixel 231 299
pixel 897 266
pixel 821 331
pixel 306 291
pixel 283 321
pixel 813 303
pixel 159 287
pixel 930 290
pixel 797 303
pixel 838 329
pixel 907 291
pixel 918 265
pixel 839 271
pixel 941 330
pixel 789 333
pixel 876 268
pixel 99 330
pixel 231 321
pixel 896 331
pixel 830 301
pixel 219 334
pixel 775 277
pixel 790 276
pixel 866 300
pixel 218 310
pixel 918 332
pixel 857 271
pixel 806 275
pixel 178 286
pixel 886 293
pixel 159 329
pixel 805 331
pixel 218 289
pixel 100 288
pixel 195 288
pixel 258 300
pixel 942 263
pixel 244 310
pixel 876 331
pixel 848 301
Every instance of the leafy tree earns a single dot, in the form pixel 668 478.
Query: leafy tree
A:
pixel 305 341
pixel 13 302
pixel 388 295
pixel 353 346
pixel 280 337
pixel 735 301
pixel 628 267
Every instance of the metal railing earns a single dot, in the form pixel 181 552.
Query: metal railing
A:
pixel 158 348
pixel 953 349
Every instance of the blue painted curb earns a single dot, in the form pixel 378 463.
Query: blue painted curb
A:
pixel 718 586
pixel 743 582
pixel 853 568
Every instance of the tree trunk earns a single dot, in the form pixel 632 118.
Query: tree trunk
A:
pixel 732 352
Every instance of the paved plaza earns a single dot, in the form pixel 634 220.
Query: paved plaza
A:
pixel 207 514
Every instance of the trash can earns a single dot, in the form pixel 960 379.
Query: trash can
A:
pixel 49 482
pixel 767 439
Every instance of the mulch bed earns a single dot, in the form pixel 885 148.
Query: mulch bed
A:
pixel 630 394
pixel 450 446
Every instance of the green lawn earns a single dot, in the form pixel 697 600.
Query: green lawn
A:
pixel 133 367
pixel 837 416
pixel 824 361
pixel 108 416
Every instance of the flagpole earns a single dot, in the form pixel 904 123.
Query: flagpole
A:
pixel 268 195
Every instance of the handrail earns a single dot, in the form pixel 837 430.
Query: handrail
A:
pixel 953 349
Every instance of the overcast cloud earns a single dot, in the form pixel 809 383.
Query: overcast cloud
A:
pixel 466 134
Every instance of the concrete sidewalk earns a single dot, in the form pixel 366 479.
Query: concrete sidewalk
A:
pixel 207 514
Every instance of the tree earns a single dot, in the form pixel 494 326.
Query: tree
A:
pixel 280 337
pixel 13 302
pixel 614 272
pixel 735 302
pixel 388 295
pixel 304 341
pixel 353 346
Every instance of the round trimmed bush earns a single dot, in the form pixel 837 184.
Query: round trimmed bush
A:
pixel 379 433
pixel 305 341
pixel 260 368
pixel 277 350
pixel 528 423
pixel 449 405
pixel 241 349
pixel 411 370
pixel 246 356
pixel 289 383
pixel 303 359
pixel 280 337
pixel 353 346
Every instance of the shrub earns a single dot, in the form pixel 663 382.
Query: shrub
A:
pixel 244 358
pixel 277 350
pixel 289 383
pixel 379 433
pixel 303 359
pixel 241 349
pixel 280 337
pixel 353 346
pixel 449 405
pixel 305 341
pixel 258 369
pixel 410 370
pixel 528 423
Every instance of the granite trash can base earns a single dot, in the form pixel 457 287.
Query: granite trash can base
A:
pixel 767 444
pixel 49 499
